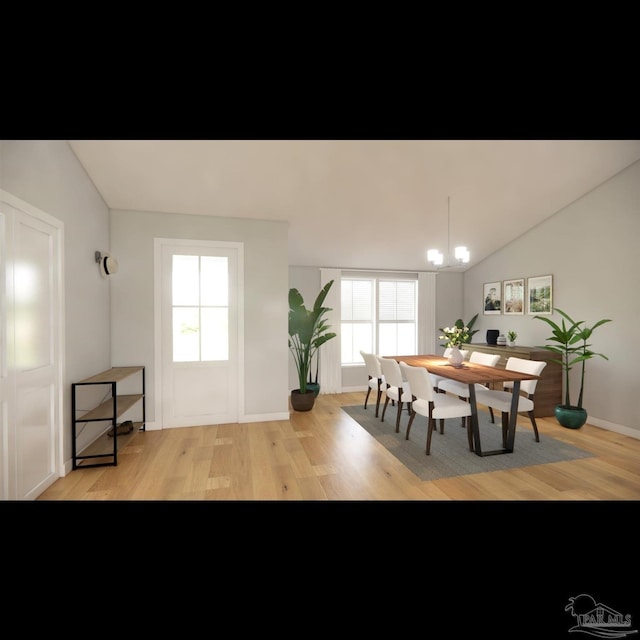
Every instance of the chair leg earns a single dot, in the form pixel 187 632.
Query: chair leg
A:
pixel 398 416
pixel 462 420
pixel 366 398
pixel 441 425
pixel 534 425
pixel 378 401
pixel 432 424
pixel 413 415
pixel 384 409
pixel 505 427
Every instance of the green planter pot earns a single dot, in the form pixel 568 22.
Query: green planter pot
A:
pixel 570 417
pixel 315 387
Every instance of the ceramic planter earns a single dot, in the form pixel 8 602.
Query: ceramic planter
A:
pixel 570 417
pixel 303 401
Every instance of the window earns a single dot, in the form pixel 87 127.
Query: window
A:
pixel 379 315
pixel 200 300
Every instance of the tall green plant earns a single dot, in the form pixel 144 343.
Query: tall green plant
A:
pixel 585 352
pixel 308 331
pixel 570 343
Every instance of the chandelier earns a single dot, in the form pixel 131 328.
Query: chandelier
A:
pixel 461 253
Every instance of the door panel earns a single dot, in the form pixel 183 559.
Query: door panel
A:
pixel 35 444
pixel 189 401
pixel 199 332
pixel 30 370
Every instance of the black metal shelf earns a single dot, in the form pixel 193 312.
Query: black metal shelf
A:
pixel 102 449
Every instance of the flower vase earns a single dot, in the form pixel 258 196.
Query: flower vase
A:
pixel 455 357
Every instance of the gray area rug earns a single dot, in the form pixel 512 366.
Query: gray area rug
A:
pixel 450 455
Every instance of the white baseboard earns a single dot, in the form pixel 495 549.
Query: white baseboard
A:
pixel 617 428
pixel 264 417
pixel 255 417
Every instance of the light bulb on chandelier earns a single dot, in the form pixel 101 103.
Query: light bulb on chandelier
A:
pixel 461 253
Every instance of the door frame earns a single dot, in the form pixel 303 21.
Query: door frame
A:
pixel 158 245
pixel 9 202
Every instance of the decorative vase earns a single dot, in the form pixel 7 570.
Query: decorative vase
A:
pixel 512 343
pixel 569 416
pixel 492 336
pixel 302 401
pixel 455 357
pixel 502 340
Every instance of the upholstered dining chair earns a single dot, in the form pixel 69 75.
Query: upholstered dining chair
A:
pixel 397 389
pixel 435 378
pixel 376 379
pixel 500 400
pixel 461 389
pixel 434 406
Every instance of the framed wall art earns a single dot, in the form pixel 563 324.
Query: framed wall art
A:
pixel 492 298
pixel 540 295
pixel 513 297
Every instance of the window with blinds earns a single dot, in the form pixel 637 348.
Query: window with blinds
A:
pixel 379 315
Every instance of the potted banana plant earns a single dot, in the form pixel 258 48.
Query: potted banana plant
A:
pixel 569 343
pixel 308 331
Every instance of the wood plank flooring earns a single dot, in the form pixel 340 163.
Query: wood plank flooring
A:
pixel 325 455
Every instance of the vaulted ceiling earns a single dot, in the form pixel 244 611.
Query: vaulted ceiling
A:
pixel 361 203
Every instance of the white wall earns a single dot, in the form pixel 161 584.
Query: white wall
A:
pixel 591 249
pixel 47 174
pixel 265 304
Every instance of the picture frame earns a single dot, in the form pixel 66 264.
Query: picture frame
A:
pixel 492 298
pixel 540 295
pixel 513 297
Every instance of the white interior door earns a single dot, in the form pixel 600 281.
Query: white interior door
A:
pixel 200 287
pixel 31 348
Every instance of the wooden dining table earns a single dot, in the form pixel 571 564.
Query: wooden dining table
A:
pixel 471 373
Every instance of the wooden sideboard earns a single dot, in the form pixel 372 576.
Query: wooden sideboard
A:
pixel 549 389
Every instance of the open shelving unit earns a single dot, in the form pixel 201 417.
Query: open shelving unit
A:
pixel 102 449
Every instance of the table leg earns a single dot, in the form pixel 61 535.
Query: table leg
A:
pixel 513 416
pixel 475 428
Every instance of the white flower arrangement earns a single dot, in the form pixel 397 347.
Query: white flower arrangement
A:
pixel 455 336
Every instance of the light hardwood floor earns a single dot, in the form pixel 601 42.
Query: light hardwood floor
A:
pixel 325 455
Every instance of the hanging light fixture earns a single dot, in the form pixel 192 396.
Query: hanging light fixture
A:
pixel 461 254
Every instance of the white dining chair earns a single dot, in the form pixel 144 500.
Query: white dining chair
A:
pixel 460 389
pixel 376 379
pixel 434 406
pixel 500 400
pixel 435 378
pixel 397 389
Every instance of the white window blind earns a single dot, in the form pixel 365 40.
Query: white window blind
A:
pixel 378 315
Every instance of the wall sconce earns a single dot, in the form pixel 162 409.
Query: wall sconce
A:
pixel 108 264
